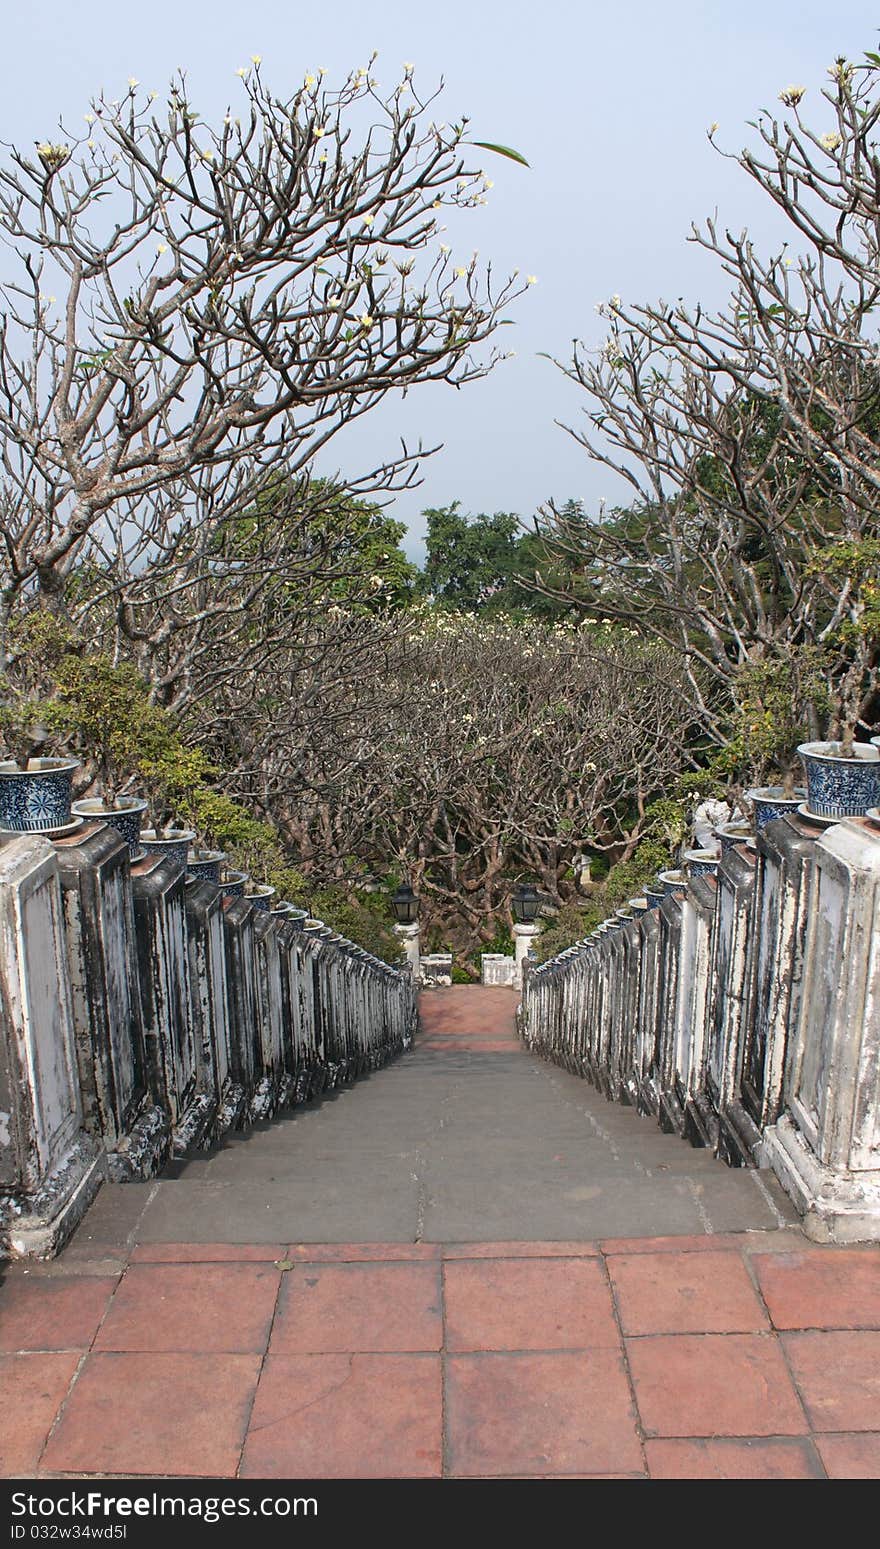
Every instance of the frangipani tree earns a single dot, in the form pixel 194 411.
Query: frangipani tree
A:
pixel 749 435
pixel 189 305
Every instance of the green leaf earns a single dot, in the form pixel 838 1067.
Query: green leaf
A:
pixel 500 150
pixel 874 58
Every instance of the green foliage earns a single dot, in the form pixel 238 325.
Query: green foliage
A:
pixel 572 923
pixel 461 975
pixel 626 880
pixel 365 920
pixel 775 703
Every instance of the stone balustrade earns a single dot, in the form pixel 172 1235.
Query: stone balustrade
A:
pixel 143 1015
pixel 744 1015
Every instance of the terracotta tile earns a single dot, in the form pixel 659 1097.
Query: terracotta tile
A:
pixel 839 1378
pixel 155 1414
pixel 560 1413
pixel 834 1289
pixel 528 1304
pixel 32 1390
pixel 751 1457
pixel 362 1307
pixel 362 1252
pixel 206 1252
pixel 469 1045
pixel 521 1250
pixel 346 1416
pixel 709 1242
pixel 204 1307
pixel 713 1385
pixel 52 1314
pixel 684 1293
pixel 851 1457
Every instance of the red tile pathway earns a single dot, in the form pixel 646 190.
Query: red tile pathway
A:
pixel 721 1357
pixel 749 1355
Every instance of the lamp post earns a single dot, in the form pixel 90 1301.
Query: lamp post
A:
pixel 406 927
pixel 526 904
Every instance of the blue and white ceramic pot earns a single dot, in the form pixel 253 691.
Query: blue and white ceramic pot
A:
pixel 770 801
pixel 125 817
pixel 701 863
pixel 204 865
pixel 36 799
pixel 841 787
pixel 672 881
pixel 174 843
pixel 260 895
pixel 655 895
pixel 638 906
pixel 729 834
pixel 232 883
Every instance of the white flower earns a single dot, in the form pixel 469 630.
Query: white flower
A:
pixel 365 320
pixel 444 247
pixel 461 274
pixel 132 82
pixel 792 95
pixel 319 131
pixel 89 118
pixel 334 305
pixel 487 183
pixel 162 247
pixel 322 70
pixel 712 128
pixel 310 80
pixel 531 279
pixel 241 70
pixel 830 142
pixel 408 68
pixel 323 156
pixel 151 96
pixel 256 59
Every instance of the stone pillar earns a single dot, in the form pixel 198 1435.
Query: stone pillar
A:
pixel 50 1169
pixel 209 1002
pixel 174 1068
pixel 524 938
pixel 825 1149
pixel 774 975
pixel 698 906
pixel 408 936
pixel 118 1109
pixel 726 1020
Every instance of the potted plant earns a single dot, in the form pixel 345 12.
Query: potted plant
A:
pixel 259 894
pixel 35 785
pixel 233 883
pixel 206 865
pixel 701 863
pixel 843 774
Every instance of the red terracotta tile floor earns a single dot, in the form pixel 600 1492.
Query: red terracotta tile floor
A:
pixel 742 1356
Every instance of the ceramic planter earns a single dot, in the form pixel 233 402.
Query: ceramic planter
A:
pixel 729 834
pixel 638 906
pixel 672 881
pixel 36 800
pixel 204 865
pixel 232 883
pixel 655 895
pixel 701 863
pixel 260 895
pixel 174 843
pixel 125 817
pixel 841 787
pixel 770 801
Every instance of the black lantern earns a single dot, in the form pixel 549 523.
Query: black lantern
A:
pixel 525 902
pixel 405 905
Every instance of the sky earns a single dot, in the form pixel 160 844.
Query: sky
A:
pixel 609 103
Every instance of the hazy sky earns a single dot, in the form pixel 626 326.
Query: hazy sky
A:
pixel 609 102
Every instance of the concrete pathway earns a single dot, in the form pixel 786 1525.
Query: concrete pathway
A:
pixel 468 1265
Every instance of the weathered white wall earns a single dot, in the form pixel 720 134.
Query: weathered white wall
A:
pixel 745 1015
pixel 143 1014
